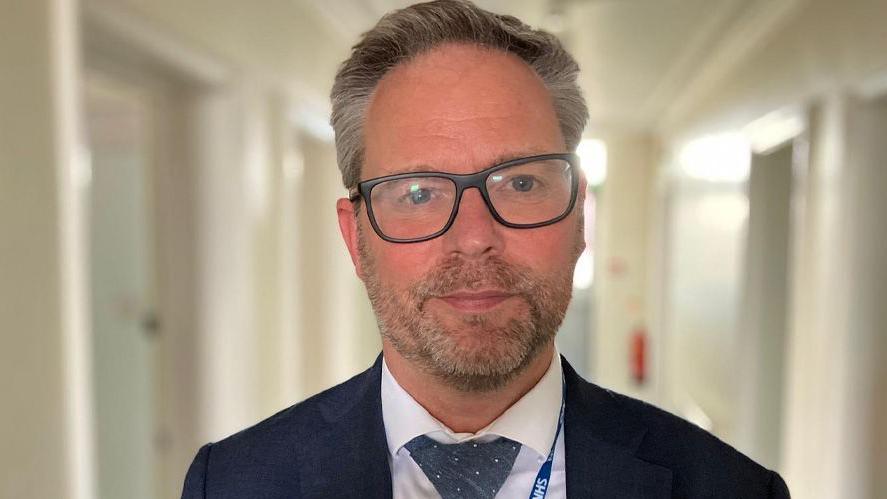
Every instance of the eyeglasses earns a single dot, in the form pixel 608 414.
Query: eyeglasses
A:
pixel 522 193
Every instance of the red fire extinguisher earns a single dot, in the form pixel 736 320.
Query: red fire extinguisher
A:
pixel 638 355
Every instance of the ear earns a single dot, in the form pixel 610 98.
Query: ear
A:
pixel 580 211
pixel 348 227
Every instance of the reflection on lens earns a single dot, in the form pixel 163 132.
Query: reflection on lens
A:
pixel 531 193
pixel 413 207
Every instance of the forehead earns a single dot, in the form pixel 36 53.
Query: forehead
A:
pixel 458 108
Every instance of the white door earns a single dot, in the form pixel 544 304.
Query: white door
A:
pixel 122 277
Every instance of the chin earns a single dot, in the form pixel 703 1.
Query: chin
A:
pixel 482 369
pixel 484 359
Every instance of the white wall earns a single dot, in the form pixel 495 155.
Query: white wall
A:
pixel 227 345
pixel 43 370
pixel 821 55
pixel 704 265
pixel 763 315
pixel 283 42
pixel 821 46
pixel 860 449
pixel 621 253
pixel 338 335
pixel 250 194
pixel 259 304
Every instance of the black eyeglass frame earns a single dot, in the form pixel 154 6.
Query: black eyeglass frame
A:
pixel 477 180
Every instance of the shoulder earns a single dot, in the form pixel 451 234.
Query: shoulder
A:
pixel 299 420
pixel 272 447
pixel 699 460
pixel 702 465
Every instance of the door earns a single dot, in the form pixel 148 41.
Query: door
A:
pixel 118 123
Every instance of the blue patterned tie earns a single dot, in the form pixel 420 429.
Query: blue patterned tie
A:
pixel 466 470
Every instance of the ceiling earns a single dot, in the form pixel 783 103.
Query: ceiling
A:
pixel 640 58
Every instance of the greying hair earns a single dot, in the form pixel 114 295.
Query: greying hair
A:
pixel 404 34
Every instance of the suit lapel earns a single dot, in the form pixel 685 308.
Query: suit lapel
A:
pixel 350 452
pixel 601 441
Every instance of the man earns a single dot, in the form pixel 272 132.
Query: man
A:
pixel 454 128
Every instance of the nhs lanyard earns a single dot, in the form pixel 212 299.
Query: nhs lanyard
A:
pixel 543 478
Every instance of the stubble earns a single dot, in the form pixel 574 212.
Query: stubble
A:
pixel 476 352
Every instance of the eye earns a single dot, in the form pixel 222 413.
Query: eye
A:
pixel 523 183
pixel 419 195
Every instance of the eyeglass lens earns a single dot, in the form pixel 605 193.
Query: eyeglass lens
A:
pixel 523 194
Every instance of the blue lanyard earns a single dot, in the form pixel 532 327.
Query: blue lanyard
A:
pixel 543 478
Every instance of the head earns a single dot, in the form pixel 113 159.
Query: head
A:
pixel 448 87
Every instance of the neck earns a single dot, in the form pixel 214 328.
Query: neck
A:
pixel 460 411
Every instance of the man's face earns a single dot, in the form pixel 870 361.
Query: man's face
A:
pixel 477 304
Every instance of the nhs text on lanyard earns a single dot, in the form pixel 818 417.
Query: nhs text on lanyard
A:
pixel 543 478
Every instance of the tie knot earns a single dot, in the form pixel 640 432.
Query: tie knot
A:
pixel 467 469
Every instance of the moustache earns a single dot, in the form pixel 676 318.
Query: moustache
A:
pixel 456 274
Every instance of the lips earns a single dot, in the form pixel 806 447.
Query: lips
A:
pixel 475 301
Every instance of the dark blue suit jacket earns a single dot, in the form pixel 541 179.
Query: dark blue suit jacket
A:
pixel 333 445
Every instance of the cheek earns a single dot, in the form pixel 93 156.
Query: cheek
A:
pixel 545 249
pixel 402 265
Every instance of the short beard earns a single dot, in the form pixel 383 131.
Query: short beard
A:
pixel 489 355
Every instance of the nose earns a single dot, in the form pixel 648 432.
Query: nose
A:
pixel 474 233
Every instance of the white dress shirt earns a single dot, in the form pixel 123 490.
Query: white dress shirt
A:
pixel 532 421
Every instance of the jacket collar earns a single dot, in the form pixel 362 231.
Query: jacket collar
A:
pixel 601 440
pixel 351 452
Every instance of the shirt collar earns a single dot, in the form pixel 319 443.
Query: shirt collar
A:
pixel 532 420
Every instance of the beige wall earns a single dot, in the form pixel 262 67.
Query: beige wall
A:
pixel 621 252
pixel 763 316
pixel 820 46
pixel 861 447
pixel 336 339
pixel 41 369
pixel 821 55
pixel 259 302
pixel 275 43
